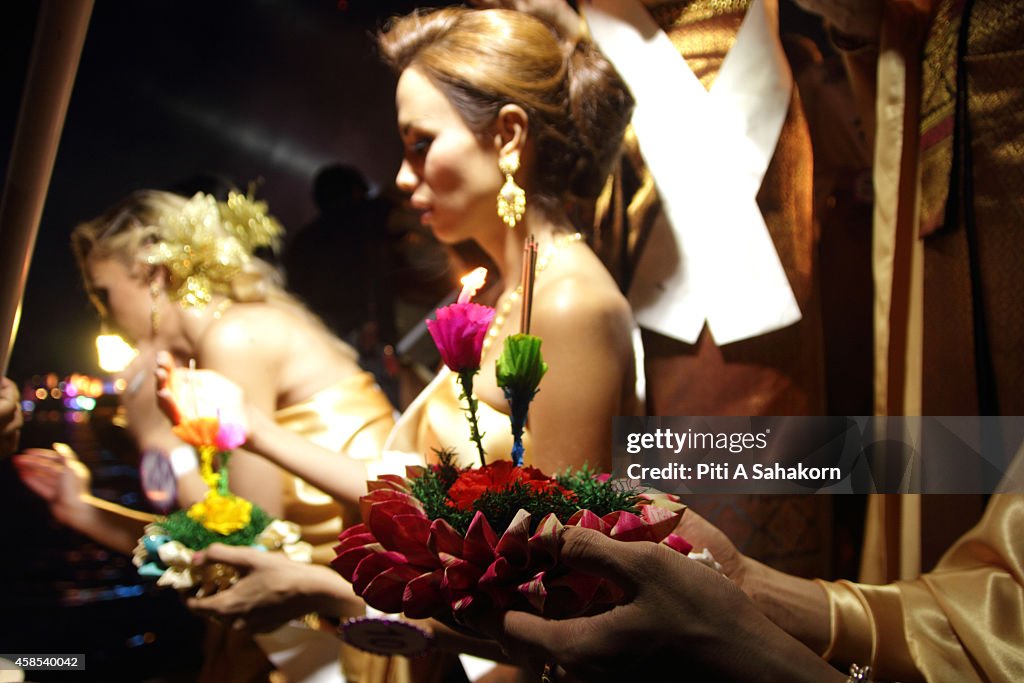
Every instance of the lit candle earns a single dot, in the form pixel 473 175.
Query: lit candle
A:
pixel 471 283
pixel 192 387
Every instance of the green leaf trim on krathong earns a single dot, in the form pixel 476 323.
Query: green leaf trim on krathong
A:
pixel 597 495
pixel 192 534
pixel 431 489
pixel 499 507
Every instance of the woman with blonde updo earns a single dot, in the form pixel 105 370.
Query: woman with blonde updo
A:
pixel 181 275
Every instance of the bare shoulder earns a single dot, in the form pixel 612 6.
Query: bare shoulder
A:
pixel 577 292
pixel 254 332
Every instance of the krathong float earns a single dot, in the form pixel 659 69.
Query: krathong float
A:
pixel 443 540
pixel 196 401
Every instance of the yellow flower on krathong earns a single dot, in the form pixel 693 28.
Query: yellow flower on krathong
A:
pixel 222 514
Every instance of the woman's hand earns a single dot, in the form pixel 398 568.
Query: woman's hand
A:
pixel 702 534
pixel 147 425
pixel 58 477
pixel 680 616
pixel 63 481
pixel 796 605
pixel 272 591
pixel 10 417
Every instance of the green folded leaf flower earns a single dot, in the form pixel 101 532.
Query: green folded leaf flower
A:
pixel 521 365
pixel 519 370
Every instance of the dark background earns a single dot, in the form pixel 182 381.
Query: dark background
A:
pixel 267 90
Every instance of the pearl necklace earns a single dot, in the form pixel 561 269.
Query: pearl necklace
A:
pixel 506 306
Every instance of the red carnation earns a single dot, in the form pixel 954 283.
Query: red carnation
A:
pixel 497 477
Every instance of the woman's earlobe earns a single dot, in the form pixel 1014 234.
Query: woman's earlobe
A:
pixel 512 130
pixel 157 277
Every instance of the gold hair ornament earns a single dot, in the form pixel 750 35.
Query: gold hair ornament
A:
pixel 208 243
pixel 511 197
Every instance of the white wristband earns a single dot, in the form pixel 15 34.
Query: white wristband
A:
pixel 183 460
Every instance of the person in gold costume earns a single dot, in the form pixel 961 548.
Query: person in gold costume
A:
pixel 962 621
pixel 180 274
pixel 940 87
pixel 940 91
pixel 948 206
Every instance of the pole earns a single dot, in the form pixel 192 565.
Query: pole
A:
pixel 56 52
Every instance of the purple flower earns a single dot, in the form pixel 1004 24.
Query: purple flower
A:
pixel 459 333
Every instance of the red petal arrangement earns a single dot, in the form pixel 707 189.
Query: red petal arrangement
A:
pixel 400 560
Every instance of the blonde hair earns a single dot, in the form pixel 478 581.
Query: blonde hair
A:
pixel 206 245
pixel 147 228
pixel 578 105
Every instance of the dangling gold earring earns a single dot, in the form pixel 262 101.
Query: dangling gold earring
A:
pixel 154 307
pixel 511 197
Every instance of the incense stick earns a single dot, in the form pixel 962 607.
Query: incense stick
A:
pixel 529 275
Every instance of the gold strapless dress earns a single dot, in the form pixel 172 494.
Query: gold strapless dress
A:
pixel 437 419
pixel 354 416
pixel 351 416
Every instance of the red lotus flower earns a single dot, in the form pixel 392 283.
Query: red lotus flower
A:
pixel 499 476
pixel 459 333
pixel 398 560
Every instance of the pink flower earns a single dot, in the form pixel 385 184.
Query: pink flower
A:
pixel 230 435
pixel 459 333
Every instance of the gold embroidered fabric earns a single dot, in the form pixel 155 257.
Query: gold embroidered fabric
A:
pixel 938 103
pixel 976 274
pixel 703 31
pixel 688 12
pixel 913 167
pixel 963 621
